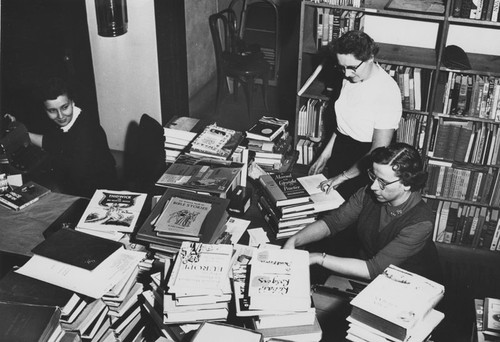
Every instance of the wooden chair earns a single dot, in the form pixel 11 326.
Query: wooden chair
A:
pixel 235 61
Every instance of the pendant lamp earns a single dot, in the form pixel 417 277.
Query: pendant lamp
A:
pixel 112 19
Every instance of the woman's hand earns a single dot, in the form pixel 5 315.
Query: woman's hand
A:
pixel 315 259
pixel 318 165
pixel 289 244
pixel 331 183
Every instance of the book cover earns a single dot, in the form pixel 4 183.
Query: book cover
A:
pixel 284 189
pixel 215 218
pixel 200 269
pixel 21 197
pixel 76 248
pixel 395 301
pixel 209 178
pixel 267 128
pixel 27 322
pixel 216 142
pixel 221 332
pixel 279 280
pixel 112 211
pixel 15 287
pixel 491 316
pixel 299 332
pixel 424 6
pixel 183 216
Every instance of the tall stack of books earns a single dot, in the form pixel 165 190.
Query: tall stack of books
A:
pixel 289 203
pixel 487 325
pixel 197 287
pixel 397 305
pixel 183 216
pixel 270 144
pixel 285 204
pixel 179 132
pixel 271 287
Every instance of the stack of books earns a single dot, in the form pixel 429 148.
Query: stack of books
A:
pixel 271 287
pixel 183 216
pixel 397 305
pixel 20 197
pixel 215 142
pixel 179 132
pixel 487 325
pixel 111 214
pixel 198 287
pixel 202 177
pixel 269 143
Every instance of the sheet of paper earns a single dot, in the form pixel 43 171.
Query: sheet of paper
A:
pixel 93 283
pixel 257 237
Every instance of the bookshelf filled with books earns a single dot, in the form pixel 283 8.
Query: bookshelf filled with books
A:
pixel 451 114
pixel 413 68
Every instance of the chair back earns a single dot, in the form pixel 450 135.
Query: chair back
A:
pixel 224 35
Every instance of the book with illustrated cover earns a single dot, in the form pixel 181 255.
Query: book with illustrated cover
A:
pixel 183 216
pixel 216 142
pixel 206 178
pixel 395 301
pixel 200 269
pixel 110 210
pixel 491 317
pixel 211 227
pixel 279 280
pixel 267 128
pixel 284 189
pixel 21 197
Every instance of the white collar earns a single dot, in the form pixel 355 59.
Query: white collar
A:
pixel 76 114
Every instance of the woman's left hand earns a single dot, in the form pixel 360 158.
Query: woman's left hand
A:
pixel 331 183
pixel 315 258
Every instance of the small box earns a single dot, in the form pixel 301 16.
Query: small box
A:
pixel 240 200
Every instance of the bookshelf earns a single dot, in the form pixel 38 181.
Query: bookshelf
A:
pixel 445 95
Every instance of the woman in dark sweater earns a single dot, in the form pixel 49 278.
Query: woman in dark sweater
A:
pixel 81 159
pixel 393 223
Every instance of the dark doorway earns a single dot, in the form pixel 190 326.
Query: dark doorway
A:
pixel 40 39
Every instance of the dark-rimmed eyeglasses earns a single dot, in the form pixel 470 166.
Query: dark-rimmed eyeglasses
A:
pixel 349 67
pixel 382 183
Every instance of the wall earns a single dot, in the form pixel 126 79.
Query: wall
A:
pixel 200 51
pixel 126 71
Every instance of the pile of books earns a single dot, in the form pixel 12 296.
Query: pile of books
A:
pixel 92 281
pixel 215 142
pixel 196 288
pixel 487 325
pixel 270 144
pixel 272 288
pixel 397 305
pixel 179 132
pixel 289 204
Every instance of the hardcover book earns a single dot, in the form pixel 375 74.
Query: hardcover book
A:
pixel 208 178
pixel 284 189
pixel 213 331
pixel 112 211
pixel 26 322
pixel 216 142
pixel 491 316
pixel 395 301
pixel 183 216
pixel 200 269
pixel 211 227
pixel 279 280
pixel 21 197
pixel 267 128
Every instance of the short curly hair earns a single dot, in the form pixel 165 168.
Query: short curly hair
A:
pixel 357 43
pixel 54 87
pixel 405 161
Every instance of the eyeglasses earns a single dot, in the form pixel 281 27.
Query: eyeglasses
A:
pixel 349 67
pixel 382 183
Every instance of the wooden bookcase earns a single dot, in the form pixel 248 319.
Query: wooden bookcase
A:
pixel 465 267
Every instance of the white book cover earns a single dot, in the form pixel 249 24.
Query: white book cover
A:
pixel 112 211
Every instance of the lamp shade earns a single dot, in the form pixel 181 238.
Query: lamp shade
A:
pixel 112 19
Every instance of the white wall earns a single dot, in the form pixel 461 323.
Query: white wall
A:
pixel 126 71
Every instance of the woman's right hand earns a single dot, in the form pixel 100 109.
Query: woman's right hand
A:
pixel 319 165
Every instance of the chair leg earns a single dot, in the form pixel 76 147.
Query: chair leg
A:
pixel 249 94
pixel 221 87
pixel 236 85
